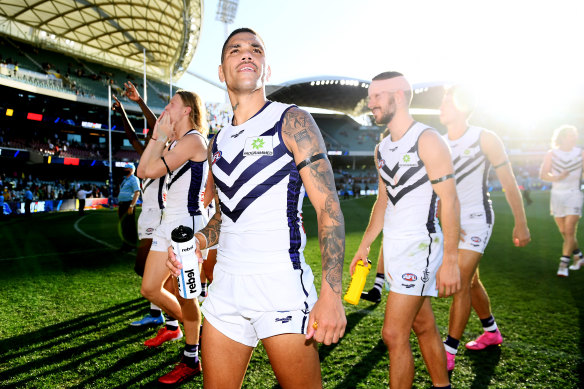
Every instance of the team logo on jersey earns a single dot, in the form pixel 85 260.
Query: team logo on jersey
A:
pixel 408 286
pixel 257 146
pixel 410 277
pixel 469 152
pixel 380 163
pixel 392 149
pixel 426 275
pixel 216 157
pixel 408 159
pixel 476 215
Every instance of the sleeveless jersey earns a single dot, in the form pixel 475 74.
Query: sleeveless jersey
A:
pixel 260 193
pixel 570 161
pixel 411 207
pixel 184 188
pixel 152 193
pixel 471 168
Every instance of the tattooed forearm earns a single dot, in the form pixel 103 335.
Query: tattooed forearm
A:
pixel 332 244
pixel 301 135
pixel 212 229
pixel 323 176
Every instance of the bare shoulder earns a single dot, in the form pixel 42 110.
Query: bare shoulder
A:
pixel 301 134
pixel 430 139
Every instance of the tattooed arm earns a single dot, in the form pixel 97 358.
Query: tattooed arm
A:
pixel 304 140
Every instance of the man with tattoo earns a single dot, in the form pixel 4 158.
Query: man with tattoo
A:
pixel 262 164
pixel 420 261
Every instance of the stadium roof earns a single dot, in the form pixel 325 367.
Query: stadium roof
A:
pixel 111 31
pixel 347 95
pixel 328 92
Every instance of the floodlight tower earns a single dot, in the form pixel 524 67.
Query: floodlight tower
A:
pixel 226 11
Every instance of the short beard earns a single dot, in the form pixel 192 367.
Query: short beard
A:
pixel 388 117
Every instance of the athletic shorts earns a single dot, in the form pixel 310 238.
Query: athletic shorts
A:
pixel 162 235
pixel 476 237
pixel 564 203
pixel 148 221
pixel 247 308
pixel 411 264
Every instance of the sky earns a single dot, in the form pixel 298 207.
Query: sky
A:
pixel 530 50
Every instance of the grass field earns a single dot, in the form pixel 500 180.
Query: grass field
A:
pixel 67 297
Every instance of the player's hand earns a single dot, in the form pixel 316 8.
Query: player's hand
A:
pixel 162 129
pixel 130 210
pixel 327 320
pixel 521 236
pixel 448 278
pixel 462 235
pixel 361 255
pixel 131 92
pixel 116 106
pixel 172 263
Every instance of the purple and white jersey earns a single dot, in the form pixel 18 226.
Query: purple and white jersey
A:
pixel 570 161
pixel 184 188
pixel 471 168
pixel 152 193
pixel 260 193
pixel 411 205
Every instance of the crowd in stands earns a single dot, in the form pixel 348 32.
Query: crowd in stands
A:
pixel 14 185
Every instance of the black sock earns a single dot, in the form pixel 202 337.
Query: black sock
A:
pixel 379 280
pixel 451 344
pixel 191 355
pixel 442 387
pixel 489 324
pixel 171 323
pixel 565 259
pixel 204 289
pixel 578 253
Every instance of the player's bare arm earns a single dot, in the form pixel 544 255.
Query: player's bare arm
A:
pixel 375 222
pixel 132 93
pixel 493 148
pixel 436 156
pixel 545 172
pixel 304 140
pixel 128 128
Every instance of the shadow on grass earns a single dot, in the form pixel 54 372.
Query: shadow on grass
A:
pixel 483 363
pixel 56 359
pixel 50 336
pixel 360 371
pixel 353 319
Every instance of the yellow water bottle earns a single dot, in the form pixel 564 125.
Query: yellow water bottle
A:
pixel 357 283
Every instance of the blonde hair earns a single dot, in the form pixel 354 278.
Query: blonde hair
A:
pixel 560 135
pixel 198 114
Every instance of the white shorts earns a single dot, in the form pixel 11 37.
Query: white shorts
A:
pixel 161 237
pixel 411 264
pixel 247 308
pixel 148 221
pixel 566 203
pixel 476 237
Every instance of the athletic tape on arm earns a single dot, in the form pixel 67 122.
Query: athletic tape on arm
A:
pixel 443 178
pixel 310 160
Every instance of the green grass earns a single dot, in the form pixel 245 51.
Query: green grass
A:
pixel 66 302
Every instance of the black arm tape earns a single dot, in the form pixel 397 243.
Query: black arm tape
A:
pixel 164 162
pixel 310 160
pixel 505 162
pixel 443 178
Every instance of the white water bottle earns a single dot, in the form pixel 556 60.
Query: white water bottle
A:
pixel 183 245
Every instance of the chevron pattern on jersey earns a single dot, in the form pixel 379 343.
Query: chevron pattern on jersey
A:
pixel 559 165
pixel 245 179
pixel 464 166
pixel 405 173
